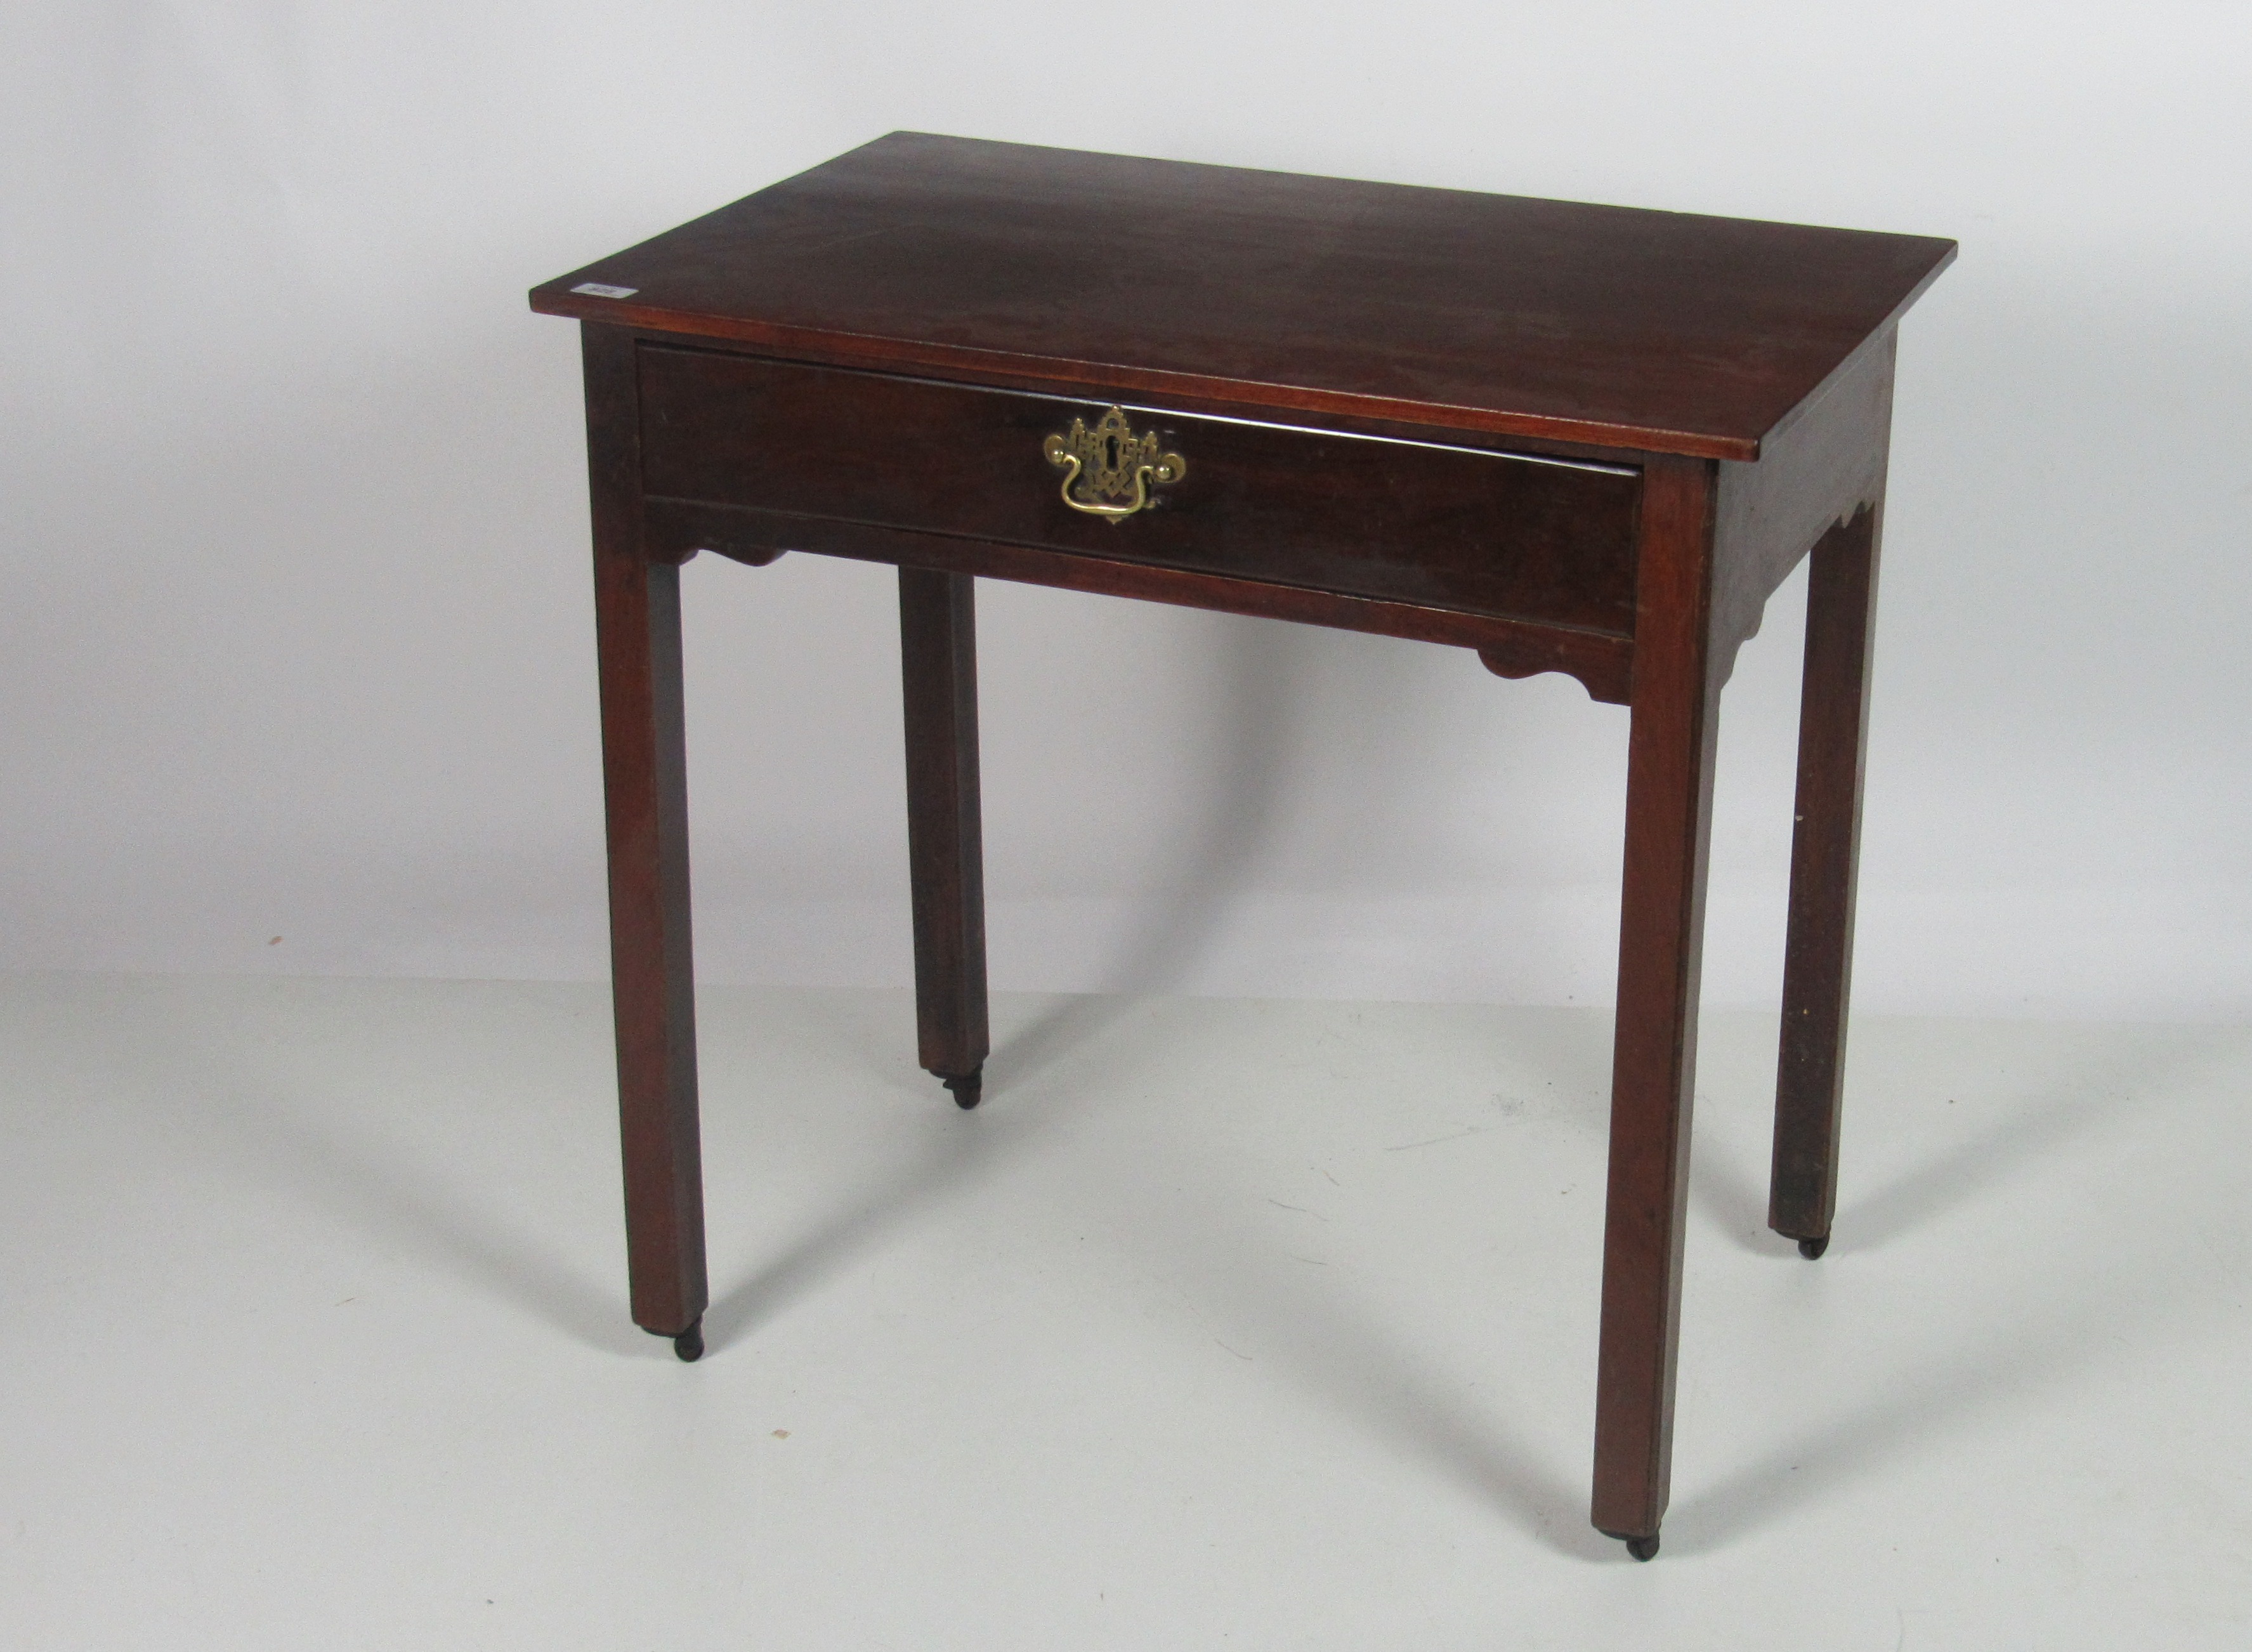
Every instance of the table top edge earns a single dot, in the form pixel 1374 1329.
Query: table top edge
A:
pixel 1101 381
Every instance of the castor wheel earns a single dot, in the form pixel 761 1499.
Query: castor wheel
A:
pixel 1640 1548
pixel 1812 1249
pixel 689 1344
pixel 968 1087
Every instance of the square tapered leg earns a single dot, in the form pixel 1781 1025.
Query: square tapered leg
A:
pixel 1676 697
pixel 1833 718
pixel 644 772
pixel 938 657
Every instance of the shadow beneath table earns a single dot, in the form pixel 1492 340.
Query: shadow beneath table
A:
pixel 1246 785
pixel 2033 1129
pixel 1734 1196
pixel 1315 1330
pixel 405 1203
pixel 381 1188
pixel 2024 1352
pixel 956 1151
pixel 1308 1327
pixel 1338 1353
pixel 2006 1149
pixel 1994 1379
pixel 341 1153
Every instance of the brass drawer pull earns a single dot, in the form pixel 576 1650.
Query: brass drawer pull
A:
pixel 1112 464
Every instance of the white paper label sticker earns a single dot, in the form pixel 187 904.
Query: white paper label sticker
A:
pixel 596 289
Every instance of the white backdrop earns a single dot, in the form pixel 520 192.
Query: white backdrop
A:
pixel 298 640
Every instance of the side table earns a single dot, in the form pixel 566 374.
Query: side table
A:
pixel 1578 438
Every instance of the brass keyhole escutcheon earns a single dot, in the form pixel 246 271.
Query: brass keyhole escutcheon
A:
pixel 1109 470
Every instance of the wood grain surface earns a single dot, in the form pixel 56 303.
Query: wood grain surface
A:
pixel 1664 331
pixel 1521 537
pixel 864 361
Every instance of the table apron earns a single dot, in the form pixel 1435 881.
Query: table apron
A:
pixel 1433 524
pixel 677 528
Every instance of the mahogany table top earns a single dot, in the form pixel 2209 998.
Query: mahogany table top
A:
pixel 1610 326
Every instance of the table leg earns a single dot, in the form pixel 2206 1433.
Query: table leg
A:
pixel 1833 716
pixel 946 857
pixel 1676 700
pixel 644 772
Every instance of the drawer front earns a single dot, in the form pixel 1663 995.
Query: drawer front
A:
pixel 1461 527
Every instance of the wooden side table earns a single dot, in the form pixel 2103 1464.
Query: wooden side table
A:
pixel 1577 439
